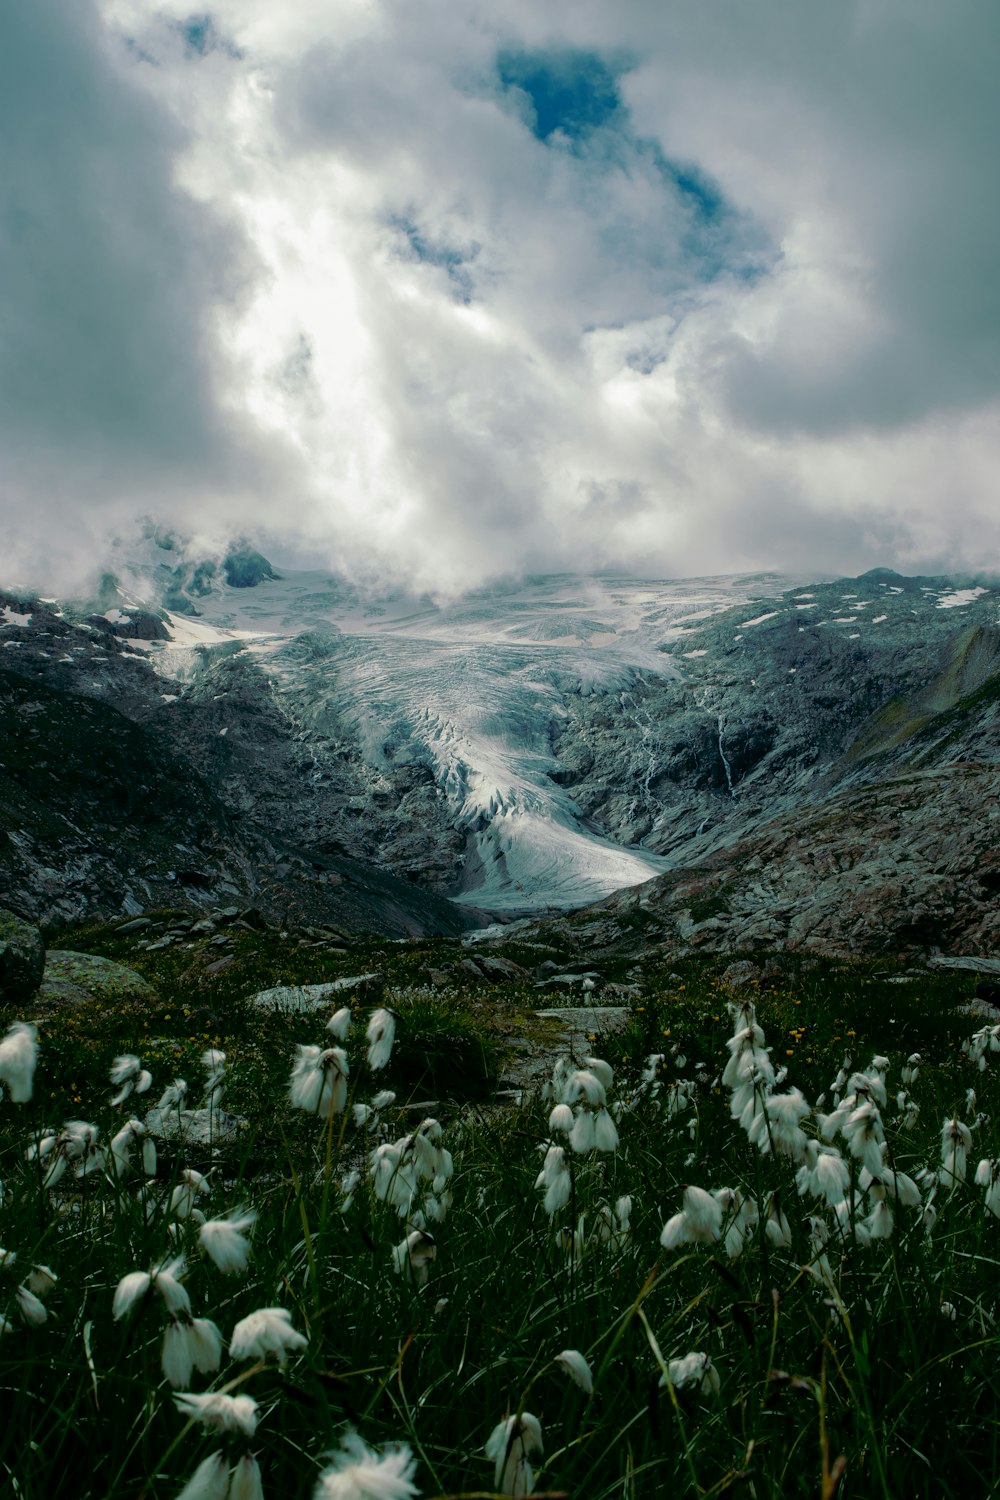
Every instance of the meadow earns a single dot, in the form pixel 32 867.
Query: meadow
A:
pixel 747 1246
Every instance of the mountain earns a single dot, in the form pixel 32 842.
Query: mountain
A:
pixel 755 760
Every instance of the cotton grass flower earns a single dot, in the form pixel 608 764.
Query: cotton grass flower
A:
pixel 41 1280
pixel 319 1080
pixel 129 1292
pixel 823 1173
pixel 246 1482
pixel 512 1445
pixel 190 1344
pixel 165 1278
pixel 577 1368
pixel 18 1059
pixel 360 1473
pixel 381 1034
pixel 414 1255
pixel 176 1359
pixel 581 1137
pixel 219 1412
pixel 123 1143
pixel 267 1331
pixel 785 1113
pixel 173 1096
pixel 191 1186
pixel 693 1369
pixel 129 1077
pixel 32 1310
pixel 956 1141
pixel 556 1179
pixel 210 1480
pixel 699 1221
pixel 340 1023
pixel 224 1240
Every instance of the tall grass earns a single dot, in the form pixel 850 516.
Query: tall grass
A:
pixel 879 1379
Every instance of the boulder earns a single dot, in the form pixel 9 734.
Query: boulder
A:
pixel 293 999
pixel 75 979
pixel 22 958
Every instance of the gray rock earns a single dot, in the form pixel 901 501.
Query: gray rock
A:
pixel 74 979
pixel 22 958
pixel 220 964
pixel 294 999
pixel 741 972
pixel 194 1127
pixel 972 964
pixel 501 970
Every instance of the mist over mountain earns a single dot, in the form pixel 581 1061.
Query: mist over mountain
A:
pixel 759 760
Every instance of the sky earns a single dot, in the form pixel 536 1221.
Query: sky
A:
pixel 438 291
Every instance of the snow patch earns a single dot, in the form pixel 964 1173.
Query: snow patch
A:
pixel 960 598
pixel 11 617
pixel 759 619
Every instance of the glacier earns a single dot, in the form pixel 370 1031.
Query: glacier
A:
pixel 473 689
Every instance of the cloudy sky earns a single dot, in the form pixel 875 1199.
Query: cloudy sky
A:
pixel 447 289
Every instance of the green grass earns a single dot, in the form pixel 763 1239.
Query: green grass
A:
pixel 906 1395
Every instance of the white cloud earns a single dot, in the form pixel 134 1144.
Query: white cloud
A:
pixel 350 283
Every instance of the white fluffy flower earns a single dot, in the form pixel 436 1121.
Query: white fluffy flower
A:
pixel 381 1034
pixel 413 1256
pixel 577 1368
pixel 956 1140
pixel 220 1412
pixel 340 1022
pixel 823 1172
pixel 555 1178
pixel 177 1358
pixel 245 1483
pixel 699 1221
pixel 31 1309
pixel 129 1291
pixel 785 1113
pixel 41 1280
pixel 359 1473
pixel 224 1240
pixel 267 1331
pixel 581 1137
pixel 693 1369
pixel 512 1445
pixel 210 1480
pixel 605 1132
pixel 18 1056
pixel 319 1080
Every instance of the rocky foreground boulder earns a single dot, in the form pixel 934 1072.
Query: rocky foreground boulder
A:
pixel 22 958
pixel 75 979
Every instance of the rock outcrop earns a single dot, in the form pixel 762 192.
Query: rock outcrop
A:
pixel 75 979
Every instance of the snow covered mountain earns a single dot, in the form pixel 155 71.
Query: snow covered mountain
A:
pixel 476 692
pixel 538 746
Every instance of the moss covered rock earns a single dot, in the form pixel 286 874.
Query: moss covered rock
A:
pixel 74 979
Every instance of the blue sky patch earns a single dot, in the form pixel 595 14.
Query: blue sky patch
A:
pixel 448 257
pixel 571 92
pixel 201 37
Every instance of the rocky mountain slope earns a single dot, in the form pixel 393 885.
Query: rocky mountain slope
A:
pixel 755 763
pixel 116 797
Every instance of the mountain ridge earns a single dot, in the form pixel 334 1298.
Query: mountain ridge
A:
pixel 557 740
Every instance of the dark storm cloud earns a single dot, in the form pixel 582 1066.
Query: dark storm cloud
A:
pixel 443 290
